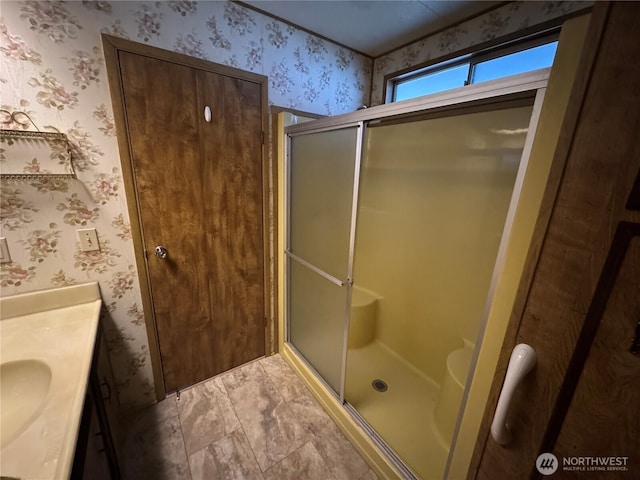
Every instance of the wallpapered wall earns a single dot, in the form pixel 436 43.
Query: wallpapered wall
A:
pixel 52 67
pixel 493 24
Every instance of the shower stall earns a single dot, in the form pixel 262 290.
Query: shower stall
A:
pixel 397 218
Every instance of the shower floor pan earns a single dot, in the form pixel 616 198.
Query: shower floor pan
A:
pixel 403 414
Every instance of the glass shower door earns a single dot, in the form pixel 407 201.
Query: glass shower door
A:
pixel 434 194
pixel 319 247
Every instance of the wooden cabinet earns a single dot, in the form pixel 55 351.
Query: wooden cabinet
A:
pixel 91 459
pixel 104 387
pixel 96 455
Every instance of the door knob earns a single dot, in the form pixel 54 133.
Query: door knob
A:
pixel 523 359
pixel 161 252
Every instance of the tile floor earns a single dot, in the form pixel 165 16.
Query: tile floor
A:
pixel 256 422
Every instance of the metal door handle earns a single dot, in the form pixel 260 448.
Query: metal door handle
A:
pixel 105 384
pixel 161 252
pixel 523 359
pixel 635 346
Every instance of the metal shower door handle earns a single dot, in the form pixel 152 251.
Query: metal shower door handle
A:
pixel 523 359
pixel 161 252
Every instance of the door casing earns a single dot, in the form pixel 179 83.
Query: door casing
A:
pixel 112 46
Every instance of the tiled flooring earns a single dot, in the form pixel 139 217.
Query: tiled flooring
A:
pixel 256 422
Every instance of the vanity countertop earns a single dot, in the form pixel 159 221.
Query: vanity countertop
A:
pixel 54 330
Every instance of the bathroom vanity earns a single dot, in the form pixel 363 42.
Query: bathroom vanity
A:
pixel 57 388
pixel 95 456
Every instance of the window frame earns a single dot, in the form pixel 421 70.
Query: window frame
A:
pixel 473 59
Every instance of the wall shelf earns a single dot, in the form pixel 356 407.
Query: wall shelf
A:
pixel 29 155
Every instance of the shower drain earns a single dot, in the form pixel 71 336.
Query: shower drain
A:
pixel 379 385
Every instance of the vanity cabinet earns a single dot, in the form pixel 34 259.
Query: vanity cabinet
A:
pixel 103 382
pixel 96 455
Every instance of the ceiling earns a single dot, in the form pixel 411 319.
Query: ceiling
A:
pixel 372 27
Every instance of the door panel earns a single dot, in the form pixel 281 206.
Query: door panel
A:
pixel 322 171
pixel 322 167
pixel 233 210
pixel 317 311
pixel 608 391
pixel 199 195
pixel 552 410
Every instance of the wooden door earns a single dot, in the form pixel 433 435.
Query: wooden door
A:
pixel 580 301
pixel 199 194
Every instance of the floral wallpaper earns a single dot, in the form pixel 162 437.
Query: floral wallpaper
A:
pixel 496 23
pixel 52 68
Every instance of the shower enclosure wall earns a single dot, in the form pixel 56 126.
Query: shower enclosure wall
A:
pixel 396 220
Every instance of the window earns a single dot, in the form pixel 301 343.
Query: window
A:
pixel 437 81
pixel 519 62
pixel 503 61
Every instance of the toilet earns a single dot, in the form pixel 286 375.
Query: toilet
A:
pixel 452 388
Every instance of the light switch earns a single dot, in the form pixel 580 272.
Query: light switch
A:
pixel 5 257
pixel 88 239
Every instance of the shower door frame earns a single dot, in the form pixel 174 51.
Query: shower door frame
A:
pixel 289 255
pixel 528 85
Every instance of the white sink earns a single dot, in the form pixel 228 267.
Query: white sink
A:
pixel 46 347
pixel 24 385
